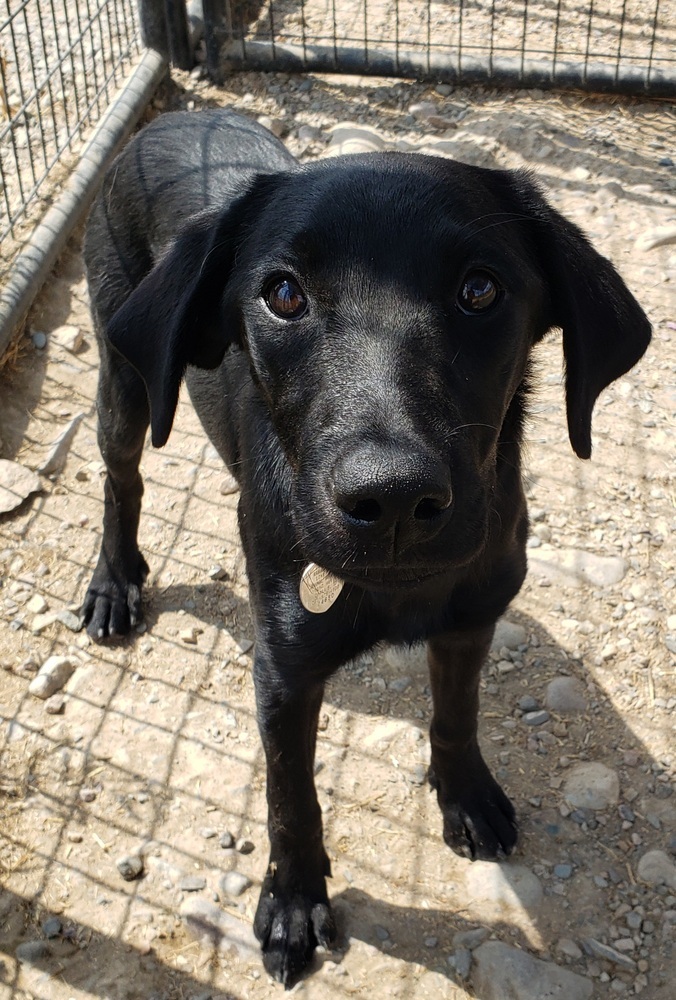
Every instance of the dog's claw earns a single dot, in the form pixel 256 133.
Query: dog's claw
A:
pixel 112 604
pixel 289 929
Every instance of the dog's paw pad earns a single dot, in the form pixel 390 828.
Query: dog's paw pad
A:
pixel 289 931
pixel 480 823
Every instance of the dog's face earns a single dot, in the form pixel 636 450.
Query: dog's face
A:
pixel 389 305
pixel 389 322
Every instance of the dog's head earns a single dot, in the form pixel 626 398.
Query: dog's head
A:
pixel 389 305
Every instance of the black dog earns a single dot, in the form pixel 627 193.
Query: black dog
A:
pixel 355 335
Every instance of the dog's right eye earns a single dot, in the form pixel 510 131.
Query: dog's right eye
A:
pixel 285 298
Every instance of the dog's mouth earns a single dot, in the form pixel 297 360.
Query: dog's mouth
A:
pixel 387 578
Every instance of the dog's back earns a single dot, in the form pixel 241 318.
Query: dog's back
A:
pixel 181 164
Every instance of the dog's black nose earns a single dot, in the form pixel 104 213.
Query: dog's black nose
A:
pixel 376 488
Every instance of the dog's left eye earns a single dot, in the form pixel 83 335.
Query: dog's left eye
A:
pixel 285 298
pixel 478 292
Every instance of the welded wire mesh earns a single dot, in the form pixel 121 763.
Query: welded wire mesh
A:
pixel 61 61
pixel 622 45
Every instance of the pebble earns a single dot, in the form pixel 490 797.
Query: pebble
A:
pixel 470 939
pixel 382 933
pixel 207 832
pixel 599 950
pixel 32 951
pixel 51 676
pixel 501 971
pixel 69 337
pixel 244 846
pixel 16 483
pixel 431 941
pixel 189 636
pixel 565 696
pixel 536 718
pixel 461 961
pixel 227 931
pixel 228 485
pixel 87 794
pixel 568 947
pixel 274 125
pixel 592 786
pixel 563 871
pixel 37 604
pixel 58 452
pixel 508 634
pixel 217 572
pixel 226 840
pixel 234 883
pixel 657 868
pixel 130 866
pixel 74 837
pixel 55 705
pixel 528 703
pixel 51 927
pixel 503 889
pixel 39 339
pixel 192 883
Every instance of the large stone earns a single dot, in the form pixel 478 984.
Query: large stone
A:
pixel 657 868
pixel 509 634
pixel 505 973
pixel 16 483
pixel 211 925
pixel 565 695
pixel 592 786
pixel 503 889
pixel 577 568
pixel 349 138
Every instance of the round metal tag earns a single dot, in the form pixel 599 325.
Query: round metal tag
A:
pixel 319 589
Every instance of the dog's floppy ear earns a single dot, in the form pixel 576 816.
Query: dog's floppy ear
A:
pixel 173 317
pixel 605 331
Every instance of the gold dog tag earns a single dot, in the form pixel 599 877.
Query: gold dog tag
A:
pixel 319 589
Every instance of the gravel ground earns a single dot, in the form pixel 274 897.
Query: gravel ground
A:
pixel 133 835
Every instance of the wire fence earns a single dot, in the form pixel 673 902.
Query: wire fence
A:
pixel 61 61
pixel 618 45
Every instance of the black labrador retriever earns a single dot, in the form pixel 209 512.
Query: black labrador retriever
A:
pixel 356 338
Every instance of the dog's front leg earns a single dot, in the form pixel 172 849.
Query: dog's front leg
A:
pixel 293 914
pixel 479 819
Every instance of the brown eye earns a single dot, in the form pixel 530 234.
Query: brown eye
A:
pixel 478 292
pixel 285 298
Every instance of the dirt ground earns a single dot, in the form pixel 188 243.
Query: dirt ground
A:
pixel 155 751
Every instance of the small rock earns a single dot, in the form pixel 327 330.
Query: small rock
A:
pixel 431 941
pixel 528 703
pixel 228 485
pixel 501 971
pixel 563 871
pixel 565 695
pixel 189 636
pixel 192 883
pixel 41 622
pixel 226 840
pixel 207 832
pixel 69 619
pixel 217 572
pixel 657 868
pixel 16 483
pixel 461 961
pixel 349 138
pixel 509 635
pixel 274 125
pixel 37 604
pixel 568 947
pixel 39 340
pixel 32 951
pixel 234 883
pixel 55 705
pixel 244 846
pixel 51 676
pixel 400 684
pixel 207 921
pixel 308 133
pixel 130 866
pixel 599 950
pixel 592 786
pixel 382 933
pixel 470 939
pixel 536 718
pixel 74 837
pixel 51 927
pixel 56 457
pixel 68 337
pixel 87 794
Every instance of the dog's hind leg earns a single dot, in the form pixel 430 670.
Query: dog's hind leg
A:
pixel 112 604
pixel 479 819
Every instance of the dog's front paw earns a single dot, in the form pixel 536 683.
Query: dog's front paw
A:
pixel 479 819
pixel 289 927
pixel 112 604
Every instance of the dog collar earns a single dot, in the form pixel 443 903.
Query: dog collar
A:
pixel 318 589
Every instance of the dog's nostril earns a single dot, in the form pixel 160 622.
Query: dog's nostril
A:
pixel 368 511
pixel 429 507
